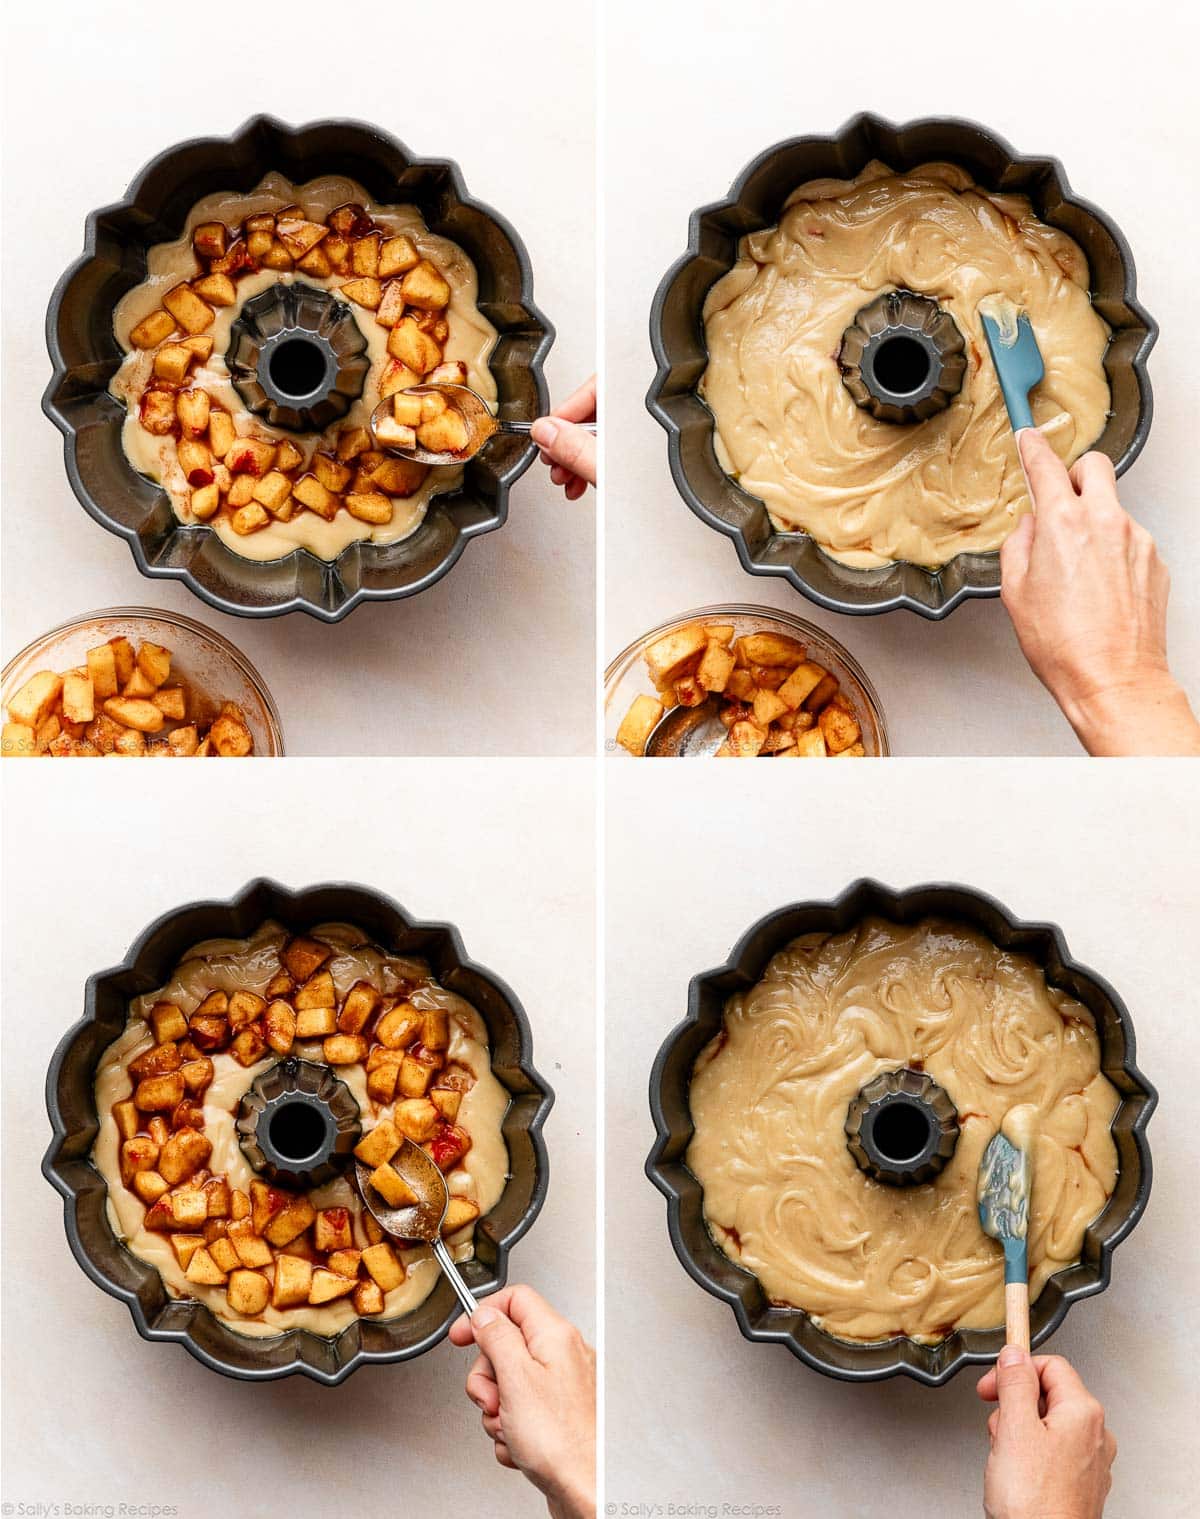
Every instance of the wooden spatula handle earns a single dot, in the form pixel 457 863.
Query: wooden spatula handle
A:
pixel 1016 1313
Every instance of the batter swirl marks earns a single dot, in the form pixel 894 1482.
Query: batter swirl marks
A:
pixel 784 1198
pixel 870 492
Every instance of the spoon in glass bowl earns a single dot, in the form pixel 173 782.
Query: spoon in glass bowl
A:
pixel 468 426
pixel 688 732
pixel 421 1219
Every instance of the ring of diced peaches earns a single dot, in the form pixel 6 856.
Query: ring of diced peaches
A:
pixel 271 1245
pixel 255 479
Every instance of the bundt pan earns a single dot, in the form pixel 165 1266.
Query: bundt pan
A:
pixel 86 355
pixel 73 1118
pixel 756 200
pixel 669 1104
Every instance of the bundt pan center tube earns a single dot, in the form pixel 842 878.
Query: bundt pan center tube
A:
pixel 900 392
pixel 320 353
pixel 905 1152
pixel 297 1125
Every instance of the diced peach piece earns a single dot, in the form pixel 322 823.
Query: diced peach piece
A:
pixel 423 286
pixel 331 1230
pixel 368 1299
pixel 384 1266
pixel 138 1154
pixel 327 1285
pixel 197 1074
pixel 351 442
pixel 216 289
pixel 345 1049
pixel 399 1028
pixel 316 1023
pixel 210 239
pixel 221 432
pixel 370 506
pixel 167 1022
pixel 397 256
pixel 280 1022
pixel 159 1094
pixel 304 957
pixel 252 1249
pixel 309 491
pixel 183 1155
pixel 460 1211
pixel 248 1047
pixel 317 991
pixel 293 1281
pixel 171 363
pixel 151 330
pixel 248 1292
pixel 292 1219
pixel 333 476
pixel 363 292
pixel 416 1118
pixel 185 1246
pixel 447 1100
pixel 125 1116
pixel 189 1208
pixel 192 313
pixel 250 456
pixel 379 1145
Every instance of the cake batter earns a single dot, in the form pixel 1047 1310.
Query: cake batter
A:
pixel 872 492
pixel 783 1196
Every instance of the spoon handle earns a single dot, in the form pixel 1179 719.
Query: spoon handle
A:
pixel 464 1294
pixel 523 429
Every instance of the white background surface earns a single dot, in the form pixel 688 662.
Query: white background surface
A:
pixel 695 90
pixel 1108 853
pixel 92 1412
pixel 93 92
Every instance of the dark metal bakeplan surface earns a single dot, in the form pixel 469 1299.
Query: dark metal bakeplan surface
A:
pixel 756 200
pixel 708 1265
pixel 85 355
pixel 70 1101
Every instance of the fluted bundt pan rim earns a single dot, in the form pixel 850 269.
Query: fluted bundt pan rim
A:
pixel 70 1102
pixel 680 354
pixel 760 1321
pixel 84 354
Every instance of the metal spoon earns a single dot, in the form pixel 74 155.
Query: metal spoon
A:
pixel 422 1220
pixel 481 424
pixel 688 732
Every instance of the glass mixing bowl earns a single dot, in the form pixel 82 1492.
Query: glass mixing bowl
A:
pixel 627 677
pixel 207 663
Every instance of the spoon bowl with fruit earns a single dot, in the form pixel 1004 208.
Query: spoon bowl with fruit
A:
pixel 414 1207
pixel 439 424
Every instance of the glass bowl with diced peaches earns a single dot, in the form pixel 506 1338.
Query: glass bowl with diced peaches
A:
pixel 741 682
pixel 211 1110
pixel 136 681
pixel 232 327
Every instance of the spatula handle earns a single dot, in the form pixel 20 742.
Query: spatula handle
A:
pixel 1016 1314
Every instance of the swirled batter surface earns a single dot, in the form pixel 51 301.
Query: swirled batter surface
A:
pixel 783 1196
pixel 872 492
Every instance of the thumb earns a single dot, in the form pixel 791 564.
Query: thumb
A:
pixel 500 1340
pixel 567 444
pixel 1019 1390
pixel 1047 475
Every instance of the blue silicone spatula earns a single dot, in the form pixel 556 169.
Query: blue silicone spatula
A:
pixel 1004 1214
pixel 1018 361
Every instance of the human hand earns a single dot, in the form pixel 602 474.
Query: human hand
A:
pixel 1050 1454
pixel 1087 593
pixel 567 448
pixel 535 1382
